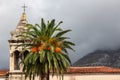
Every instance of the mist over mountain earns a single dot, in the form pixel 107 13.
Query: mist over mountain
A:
pixel 110 58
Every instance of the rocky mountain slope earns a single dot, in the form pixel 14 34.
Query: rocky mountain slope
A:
pixel 109 58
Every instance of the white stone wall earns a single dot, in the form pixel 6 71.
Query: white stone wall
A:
pixel 89 77
pixel 78 76
pixel 2 78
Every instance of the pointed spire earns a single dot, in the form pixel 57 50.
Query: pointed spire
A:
pixel 21 27
pixel 23 18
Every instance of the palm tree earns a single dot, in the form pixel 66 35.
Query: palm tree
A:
pixel 48 50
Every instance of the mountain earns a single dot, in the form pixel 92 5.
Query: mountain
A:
pixel 110 58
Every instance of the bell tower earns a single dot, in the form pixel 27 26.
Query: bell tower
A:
pixel 15 68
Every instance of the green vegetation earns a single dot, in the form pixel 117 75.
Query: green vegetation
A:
pixel 47 50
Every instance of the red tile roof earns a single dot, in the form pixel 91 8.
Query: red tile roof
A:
pixel 3 72
pixel 97 69
pixel 72 70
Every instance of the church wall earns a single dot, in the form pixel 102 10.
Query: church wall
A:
pixel 4 78
pixel 89 77
pixel 78 76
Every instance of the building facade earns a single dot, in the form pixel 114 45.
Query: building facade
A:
pixel 74 73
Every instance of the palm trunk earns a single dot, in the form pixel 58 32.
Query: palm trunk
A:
pixel 45 76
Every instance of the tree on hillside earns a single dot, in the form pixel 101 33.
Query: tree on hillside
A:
pixel 48 50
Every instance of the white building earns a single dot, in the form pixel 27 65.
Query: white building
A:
pixel 74 73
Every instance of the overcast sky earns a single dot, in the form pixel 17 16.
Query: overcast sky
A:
pixel 95 24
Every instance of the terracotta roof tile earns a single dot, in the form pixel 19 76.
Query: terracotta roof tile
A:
pixel 3 72
pixel 94 69
pixel 97 69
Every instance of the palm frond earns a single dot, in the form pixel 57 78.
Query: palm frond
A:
pixel 61 33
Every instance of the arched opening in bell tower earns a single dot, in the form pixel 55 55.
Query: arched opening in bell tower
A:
pixel 17 60
pixel 25 54
pixel 18 57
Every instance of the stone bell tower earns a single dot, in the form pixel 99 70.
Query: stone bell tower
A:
pixel 15 68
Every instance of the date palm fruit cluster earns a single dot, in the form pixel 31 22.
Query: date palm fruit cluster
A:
pixel 51 45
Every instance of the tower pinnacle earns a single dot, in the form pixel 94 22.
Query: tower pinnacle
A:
pixel 23 18
pixel 21 26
